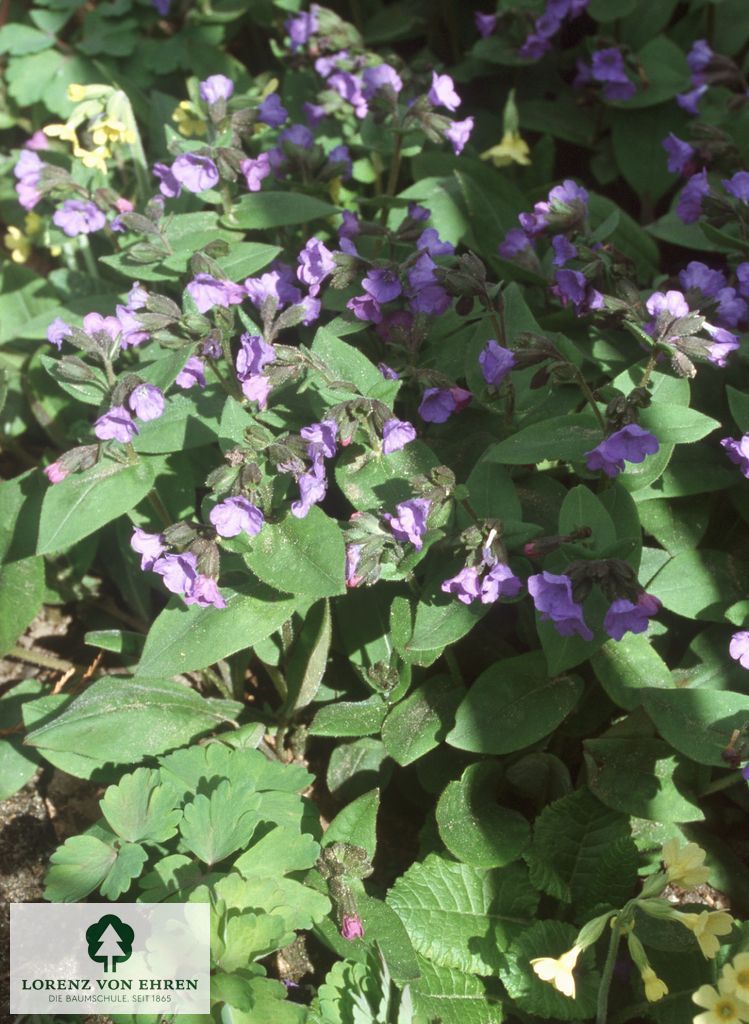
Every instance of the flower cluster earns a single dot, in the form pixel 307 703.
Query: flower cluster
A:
pixel 607 68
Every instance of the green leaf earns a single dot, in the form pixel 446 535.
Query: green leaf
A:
pixel 471 824
pixel 562 438
pixel 676 525
pixel 665 71
pixel 127 865
pixel 84 502
pixel 17 765
pixel 20 39
pixel 454 997
pixel 215 826
pixel 676 424
pixel 260 210
pixel 45 76
pixel 301 556
pixel 141 808
pixel 569 857
pixel 417 724
pixel 513 704
pixel 698 723
pixel 439 622
pixel 183 638
pixel 356 823
pixel 738 402
pixel 460 916
pixel 122 720
pixel 21 596
pixel 530 993
pixel 384 927
pixel 350 718
pixel 700 584
pixel 642 777
pixel 626 667
pixel 309 657
pixel 278 852
pixel 632 135
pixel 76 868
pixel 247 937
pixel 372 481
pixel 299 905
pixel 610 10
pixel 245 259
pixel 355 768
pixel 348 364
pixel 582 508
pixel 188 421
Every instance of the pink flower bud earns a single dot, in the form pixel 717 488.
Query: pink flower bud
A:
pixel 55 473
pixel 351 927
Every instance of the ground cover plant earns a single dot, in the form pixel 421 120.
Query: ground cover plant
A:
pixel 374 400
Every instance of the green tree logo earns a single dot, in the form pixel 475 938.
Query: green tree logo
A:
pixel 110 941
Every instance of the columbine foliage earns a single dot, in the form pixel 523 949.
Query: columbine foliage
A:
pixel 384 411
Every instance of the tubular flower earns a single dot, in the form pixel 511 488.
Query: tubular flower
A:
pixel 188 120
pixel 17 244
pixel 559 972
pixel 706 926
pixel 736 977
pixel 512 149
pixel 110 131
pixel 94 159
pixel 722 1007
pixel 685 866
pixel 655 989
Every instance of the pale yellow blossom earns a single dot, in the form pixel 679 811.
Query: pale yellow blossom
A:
pixel 92 158
pixel 188 120
pixel 706 926
pixel 512 149
pixel 655 989
pixel 736 977
pixel 685 866
pixel 721 1006
pixel 61 131
pixel 559 972
pixel 18 244
pixel 110 131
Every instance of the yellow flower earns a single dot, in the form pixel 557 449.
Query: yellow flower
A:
pixel 706 926
pixel 61 131
pixel 685 867
pixel 188 120
pixel 655 989
pixel 33 223
pixel 736 976
pixel 18 244
pixel 721 1006
pixel 110 131
pixel 511 149
pixel 559 972
pixel 96 158
pixel 76 93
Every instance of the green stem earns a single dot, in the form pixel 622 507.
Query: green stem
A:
pixel 43 660
pixel 608 972
pixel 722 783
pixel 649 367
pixel 452 663
pixel 395 166
pixel 154 499
pixel 583 385
pixel 88 256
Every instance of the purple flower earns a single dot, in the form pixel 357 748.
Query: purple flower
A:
pixel 438 404
pixel 671 302
pixel 458 133
pixel 496 362
pixel 301 27
pixel 427 295
pixel 253 356
pixel 353 556
pixel 314 112
pixel 146 401
pixel 95 323
pixel 429 241
pixel 465 585
pixel 116 425
pixel 410 521
pixel 272 112
pixel 418 213
pixel 236 515
pixel 552 597
pixel 315 264
pixel 689 101
pixel 396 434
pixel 256 389
pixel 738 186
pixel 534 47
pixel 178 572
pixel 216 88
pixel 485 23
pixel 28 170
pixel 730 308
pixel 381 76
pixel 77 217
pixel 571 286
pixel 192 373
pixel 339 161
pixel 742 279
pixel 55 472
pixel 387 371
pixel 699 57
pixel 255 171
pixel 312 488
pixel 195 173
pixel 149 546
pixel 625 617
pixel 57 331
pixel 137 297
pixel 365 307
pixel 564 250
pixel 169 186
pixel 723 344
pixel 322 439
pixel 132 332
pixel 698 275
pixel 351 927
pixel 382 284
pixel 442 92
pixel 499 582
pixel 297 135
pixel 350 227
pixel 515 242
pixel 205 593
pixel 161 7
pixel 207 292
pixel 738 452
pixel 608 66
pixel 680 154
pixel 630 444
pixel 349 88
pixel 277 284
pixel 738 648
pixel 311 307
pixel 619 92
